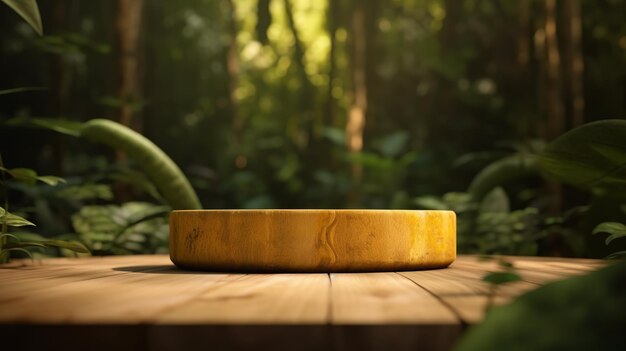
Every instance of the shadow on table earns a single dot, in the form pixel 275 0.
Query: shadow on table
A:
pixel 160 269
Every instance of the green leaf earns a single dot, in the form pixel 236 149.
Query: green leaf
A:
pixel 22 244
pixel 430 202
pixel 24 175
pixel 615 229
pixel 496 201
pixel 498 278
pixel 51 180
pixel 29 11
pixel 393 144
pixel 590 156
pixel 86 192
pixel 70 245
pixel 616 255
pixel 579 313
pixel 501 172
pixel 20 250
pixel 58 125
pixel 20 90
pixel 2 211
pixel 7 235
pixel 30 177
pixel 505 264
pixel 14 220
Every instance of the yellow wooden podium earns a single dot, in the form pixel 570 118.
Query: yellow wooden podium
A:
pixel 312 240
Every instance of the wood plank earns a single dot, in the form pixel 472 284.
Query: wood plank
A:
pixel 466 298
pixel 120 298
pixel 258 299
pixel 384 298
pixel 149 289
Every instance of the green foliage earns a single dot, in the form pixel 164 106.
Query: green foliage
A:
pixel 12 243
pixel 133 227
pixel 11 220
pixel 162 171
pixel 29 11
pixel 591 157
pixel 501 172
pixel 165 176
pixel 491 226
pixel 58 125
pixel 30 177
pixel 581 313
pixel 614 229
pixel 19 90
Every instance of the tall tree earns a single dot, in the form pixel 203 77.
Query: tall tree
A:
pixel 232 67
pixel 357 111
pixel 127 30
pixel 574 62
pixel 62 83
pixel 307 90
pixel 555 121
pixel 332 13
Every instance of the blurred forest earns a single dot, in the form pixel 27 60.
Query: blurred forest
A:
pixel 317 104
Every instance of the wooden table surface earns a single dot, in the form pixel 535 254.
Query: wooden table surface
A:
pixel 144 302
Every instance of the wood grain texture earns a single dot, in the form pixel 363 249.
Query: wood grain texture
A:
pixel 146 303
pixel 312 240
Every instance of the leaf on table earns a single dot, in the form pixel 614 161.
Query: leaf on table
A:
pixel 498 278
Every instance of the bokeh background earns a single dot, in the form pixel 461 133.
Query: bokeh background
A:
pixel 314 104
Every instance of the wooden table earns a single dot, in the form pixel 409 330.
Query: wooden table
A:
pixel 144 302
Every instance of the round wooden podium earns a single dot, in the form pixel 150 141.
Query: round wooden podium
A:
pixel 312 240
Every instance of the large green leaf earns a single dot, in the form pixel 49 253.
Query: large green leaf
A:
pixel 59 125
pixel 581 313
pixel 29 11
pixel 502 172
pixel 592 156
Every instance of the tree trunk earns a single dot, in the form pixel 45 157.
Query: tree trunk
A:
pixel 306 123
pixel 575 62
pixel 523 45
pixel 331 18
pixel 62 83
pixel 232 67
pixel 555 123
pixel 358 106
pixel 128 29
